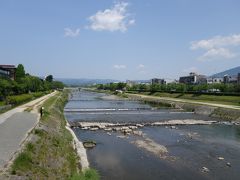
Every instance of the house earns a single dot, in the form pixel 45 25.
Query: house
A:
pixel 214 80
pixel 230 79
pixel 193 78
pixel 8 71
pixel 158 81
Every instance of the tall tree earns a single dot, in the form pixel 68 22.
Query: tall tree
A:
pixel 20 72
pixel 49 78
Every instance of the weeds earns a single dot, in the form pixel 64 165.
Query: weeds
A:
pixel 89 174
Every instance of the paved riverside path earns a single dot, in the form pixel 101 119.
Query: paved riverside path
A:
pixel 184 101
pixel 14 126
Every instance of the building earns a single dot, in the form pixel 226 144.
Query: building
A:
pixel 212 80
pixel 193 78
pixel 238 78
pixel 131 83
pixel 158 81
pixel 8 71
pixel 230 79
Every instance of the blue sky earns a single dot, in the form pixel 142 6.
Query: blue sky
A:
pixel 131 39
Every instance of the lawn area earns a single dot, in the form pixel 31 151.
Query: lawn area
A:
pixel 228 100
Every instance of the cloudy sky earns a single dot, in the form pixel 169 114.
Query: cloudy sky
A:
pixel 131 39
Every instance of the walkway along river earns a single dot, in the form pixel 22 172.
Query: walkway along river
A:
pixel 137 141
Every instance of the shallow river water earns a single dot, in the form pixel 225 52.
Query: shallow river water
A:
pixel 193 151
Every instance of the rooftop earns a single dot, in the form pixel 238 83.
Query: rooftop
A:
pixel 7 66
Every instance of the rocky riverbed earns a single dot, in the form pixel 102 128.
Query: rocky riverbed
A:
pixel 142 142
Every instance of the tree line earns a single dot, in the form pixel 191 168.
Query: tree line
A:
pixel 26 83
pixel 173 87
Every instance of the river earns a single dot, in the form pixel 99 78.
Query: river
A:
pixel 159 152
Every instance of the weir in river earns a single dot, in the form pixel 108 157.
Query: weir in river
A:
pixel 138 141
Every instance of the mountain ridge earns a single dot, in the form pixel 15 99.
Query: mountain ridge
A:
pixel 231 72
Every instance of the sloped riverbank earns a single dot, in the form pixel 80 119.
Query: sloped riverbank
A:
pixel 230 114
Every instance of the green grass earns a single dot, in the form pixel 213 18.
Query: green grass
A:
pixel 51 155
pixel 22 163
pixel 89 174
pixel 2 103
pixel 228 100
pixel 122 95
pixel 24 160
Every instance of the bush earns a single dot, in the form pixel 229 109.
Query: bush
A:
pixel 38 94
pixel 18 99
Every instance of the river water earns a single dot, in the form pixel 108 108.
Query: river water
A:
pixel 193 151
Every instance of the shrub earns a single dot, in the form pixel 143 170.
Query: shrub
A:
pixel 38 94
pixel 18 99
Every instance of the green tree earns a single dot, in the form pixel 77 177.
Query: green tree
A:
pixel 49 78
pixel 20 72
pixel 57 85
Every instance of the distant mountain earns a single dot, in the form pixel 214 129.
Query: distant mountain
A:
pixel 141 81
pixel 230 72
pixel 84 82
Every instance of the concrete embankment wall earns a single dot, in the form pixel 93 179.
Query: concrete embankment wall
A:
pixel 217 112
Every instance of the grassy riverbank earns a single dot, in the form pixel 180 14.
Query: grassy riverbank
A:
pixel 227 100
pixel 50 153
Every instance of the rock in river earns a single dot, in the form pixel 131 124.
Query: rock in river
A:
pixel 89 144
pixel 220 158
pixel 205 169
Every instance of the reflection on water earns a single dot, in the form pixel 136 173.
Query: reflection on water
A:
pixel 192 147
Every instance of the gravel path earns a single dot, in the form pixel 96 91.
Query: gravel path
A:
pixel 14 127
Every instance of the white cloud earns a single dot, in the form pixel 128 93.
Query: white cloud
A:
pixel 71 33
pixel 119 66
pixel 217 41
pixel 141 66
pixel 114 19
pixel 217 47
pixel 215 53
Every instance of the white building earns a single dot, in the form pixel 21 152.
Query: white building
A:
pixel 212 80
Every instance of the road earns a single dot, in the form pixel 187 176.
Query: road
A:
pixel 14 127
pixel 186 101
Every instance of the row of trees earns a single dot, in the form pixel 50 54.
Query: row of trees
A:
pixel 173 87
pixel 26 83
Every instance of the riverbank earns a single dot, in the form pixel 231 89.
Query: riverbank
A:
pixel 198 97
pixel 131 142
pixel 225 108
pixel 49 151
pixel 224 112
